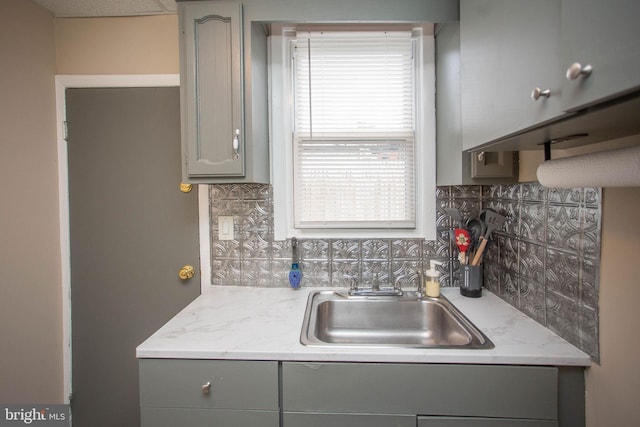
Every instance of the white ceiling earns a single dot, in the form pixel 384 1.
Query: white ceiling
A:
pixel 88 8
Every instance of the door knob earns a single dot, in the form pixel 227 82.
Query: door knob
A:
pixel 186 272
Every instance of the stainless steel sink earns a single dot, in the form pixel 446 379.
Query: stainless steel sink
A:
pixel 337 319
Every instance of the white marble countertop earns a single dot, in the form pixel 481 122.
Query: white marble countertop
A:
pixel 265 323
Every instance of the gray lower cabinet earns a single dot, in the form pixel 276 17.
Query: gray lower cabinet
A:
pixel 501 394
pixel 181 417
pixel 481 422
pixel 311 419
pixel 229 393
pixel 464 390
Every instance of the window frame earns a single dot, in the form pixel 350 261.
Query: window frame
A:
pixel 281 146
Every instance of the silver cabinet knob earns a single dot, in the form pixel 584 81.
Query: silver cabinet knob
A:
pixel 538 93
pixel 206 388
pixel 576 70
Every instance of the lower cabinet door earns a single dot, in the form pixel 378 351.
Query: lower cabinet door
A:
pixel 482 422
pixel 189 417
pixel 315 419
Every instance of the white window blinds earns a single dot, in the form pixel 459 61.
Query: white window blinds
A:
pixel 354 133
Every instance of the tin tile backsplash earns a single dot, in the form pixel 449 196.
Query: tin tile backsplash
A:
pixel 544 260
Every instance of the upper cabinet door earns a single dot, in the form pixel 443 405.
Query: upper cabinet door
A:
pixel 510 54
pixel 606 36
pixel 212 89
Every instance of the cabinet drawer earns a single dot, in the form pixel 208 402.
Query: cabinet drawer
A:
pixel 308 419
pixel 234 384
pixel 457 390
pixel 481 422
pixel 179 417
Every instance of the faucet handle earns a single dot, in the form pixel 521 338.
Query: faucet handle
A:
pixel 376 283
pixel 354 284
pixel 420 286
pixel 397 285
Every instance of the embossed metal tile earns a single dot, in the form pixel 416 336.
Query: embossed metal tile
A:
pixel 548 257
pixel 314 250
pixel 532 222
pixel 531 257
pixel 564 227
pixel 544 260
pixel 563 317
pixel 376 249
pixel 406 249
pixel 531 298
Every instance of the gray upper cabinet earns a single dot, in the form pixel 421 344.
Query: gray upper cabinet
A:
pixel 606 36
pixel 510 62
pixel 215 147
pixel 557 71
pixel 455 167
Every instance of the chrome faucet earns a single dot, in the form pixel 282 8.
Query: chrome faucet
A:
pixel 375 289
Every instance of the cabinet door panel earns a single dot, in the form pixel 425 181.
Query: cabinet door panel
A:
pixel 605 35
pixel 212 89
pixel 508 48
pixel 176 417
pixel 481 422
pixel 298 419
pixel 458 390
pixel 234 384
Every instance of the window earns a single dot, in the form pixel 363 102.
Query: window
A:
pixel 351 126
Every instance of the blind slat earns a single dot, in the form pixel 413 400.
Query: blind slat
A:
pixel 354 130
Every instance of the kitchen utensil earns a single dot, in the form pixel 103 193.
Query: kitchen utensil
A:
pixel 492 220
pixel 463 240
pixel 295 274
pixel 476 229
pixel 455 214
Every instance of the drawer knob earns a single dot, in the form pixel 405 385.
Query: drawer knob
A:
pixel 206 388
pixel 538 93
pixel 576 70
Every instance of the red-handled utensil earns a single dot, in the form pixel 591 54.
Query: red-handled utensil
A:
pixel 463 240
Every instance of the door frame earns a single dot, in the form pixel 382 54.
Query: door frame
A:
pixel 62 83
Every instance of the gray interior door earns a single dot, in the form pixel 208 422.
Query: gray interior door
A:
pixel 131 231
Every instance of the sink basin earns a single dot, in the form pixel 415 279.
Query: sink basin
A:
pixel 337 319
